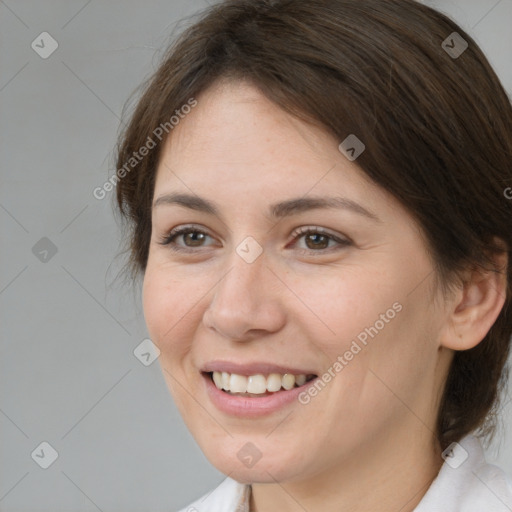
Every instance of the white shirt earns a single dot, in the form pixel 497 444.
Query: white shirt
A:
pixel 465 483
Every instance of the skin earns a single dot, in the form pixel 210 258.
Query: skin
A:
pixel 366 441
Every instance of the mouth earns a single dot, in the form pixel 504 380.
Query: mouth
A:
pixel 257 385
pixel 256 389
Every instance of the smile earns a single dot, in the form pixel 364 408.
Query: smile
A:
pixel 257 385
pixel 257 393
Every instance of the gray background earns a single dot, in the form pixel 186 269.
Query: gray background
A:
pixel 68 328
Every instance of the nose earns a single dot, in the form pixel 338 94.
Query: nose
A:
pixel 246 302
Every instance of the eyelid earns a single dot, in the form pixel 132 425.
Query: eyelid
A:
pixel 317 229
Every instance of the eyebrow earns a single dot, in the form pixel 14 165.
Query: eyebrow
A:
pixel 277 211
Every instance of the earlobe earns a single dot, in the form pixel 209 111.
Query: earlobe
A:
pixel 476 306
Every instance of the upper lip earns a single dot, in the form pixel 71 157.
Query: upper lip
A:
pixel 254 368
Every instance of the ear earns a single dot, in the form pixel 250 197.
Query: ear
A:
pixel 476 305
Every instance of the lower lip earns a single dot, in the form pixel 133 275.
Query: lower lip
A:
pixel 251 407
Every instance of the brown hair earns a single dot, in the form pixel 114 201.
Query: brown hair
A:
pixel 437 130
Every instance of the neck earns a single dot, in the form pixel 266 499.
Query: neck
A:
pixel 386 475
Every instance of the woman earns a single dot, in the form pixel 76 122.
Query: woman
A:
pixel 315 199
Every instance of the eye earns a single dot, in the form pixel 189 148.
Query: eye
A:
pixel 317 239
pixel 198 236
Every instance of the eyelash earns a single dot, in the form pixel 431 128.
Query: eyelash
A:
pixel 169 238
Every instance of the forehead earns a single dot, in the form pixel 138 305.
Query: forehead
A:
pixel 235 120
pixel 241 148
pixel 234 127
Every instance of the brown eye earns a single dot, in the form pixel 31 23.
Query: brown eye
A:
pixel 195 240
pixel 191 237
pixel 316 241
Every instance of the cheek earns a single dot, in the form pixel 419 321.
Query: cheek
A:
pixel 379 328
pixel 388 368
pixel 154 302
pixel 168 308
pixel 336 307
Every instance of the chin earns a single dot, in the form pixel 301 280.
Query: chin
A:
pixel 238 464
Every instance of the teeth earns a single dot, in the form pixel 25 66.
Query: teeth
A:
pixel 288 381
pixel 300 379
pixel 225 381
pixel 274 382
pixel 237 383
pixel 217 378
pixel 256 384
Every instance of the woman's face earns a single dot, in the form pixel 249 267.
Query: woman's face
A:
pixel 250 292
